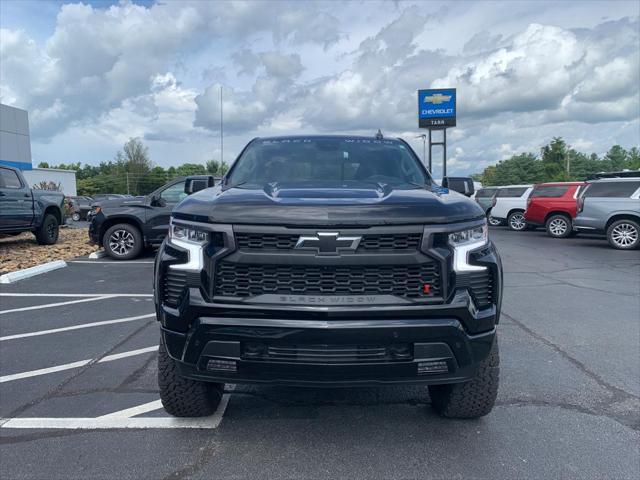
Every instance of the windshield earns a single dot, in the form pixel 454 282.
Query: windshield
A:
pixel 327 160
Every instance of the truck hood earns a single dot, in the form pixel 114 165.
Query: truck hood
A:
pixel 362 204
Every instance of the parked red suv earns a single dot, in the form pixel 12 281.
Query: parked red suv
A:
pixel 553 205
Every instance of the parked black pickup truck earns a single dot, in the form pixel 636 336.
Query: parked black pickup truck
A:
pixel 124 226
pixel 23 209
pixel 329 261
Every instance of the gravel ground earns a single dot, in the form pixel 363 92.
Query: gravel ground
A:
pixel 22 251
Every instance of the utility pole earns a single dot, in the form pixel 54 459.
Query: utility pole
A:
pixel 221 129
pixel 127 183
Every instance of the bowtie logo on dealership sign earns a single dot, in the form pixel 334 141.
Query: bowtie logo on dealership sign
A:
pixel 437 98
pixel 328 243
pixel 437 108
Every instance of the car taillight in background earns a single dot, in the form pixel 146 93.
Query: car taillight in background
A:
pixel 580 204
pixel 493 201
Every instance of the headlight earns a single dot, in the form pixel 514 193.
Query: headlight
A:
pixel 191 239
pixel 187 234
pixel 473 235
pixel 464 242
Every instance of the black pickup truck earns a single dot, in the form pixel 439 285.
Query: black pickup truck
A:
pixel 328 261
pixel 23 209
pixel 124 226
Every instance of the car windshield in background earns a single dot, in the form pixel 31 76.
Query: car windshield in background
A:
pixel 328 160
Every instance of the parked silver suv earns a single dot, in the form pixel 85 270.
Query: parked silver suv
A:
pixel 611 206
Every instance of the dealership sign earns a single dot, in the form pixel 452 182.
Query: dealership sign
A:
pixel 437 108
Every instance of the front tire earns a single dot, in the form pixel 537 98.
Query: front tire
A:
pixel 516 221
pixel 182 397
pixel 123 241
pixel 75 217
pixel 48 231
pixel 558 226
pixel 624 234
pixel 472 399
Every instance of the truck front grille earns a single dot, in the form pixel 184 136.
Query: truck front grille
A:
pixel 408 281
pixel 370 242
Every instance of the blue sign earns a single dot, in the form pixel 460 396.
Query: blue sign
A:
pixel 437 108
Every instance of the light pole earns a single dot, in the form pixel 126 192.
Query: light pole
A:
pixel 424 149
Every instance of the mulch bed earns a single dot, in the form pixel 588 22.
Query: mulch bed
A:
pixel 22 251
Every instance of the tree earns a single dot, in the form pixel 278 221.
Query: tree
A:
pixel 616 158
pixel 43 165
pixel 216 168
pixel 191 169
pixel 133 164
pixel 633 159
pixel 554 157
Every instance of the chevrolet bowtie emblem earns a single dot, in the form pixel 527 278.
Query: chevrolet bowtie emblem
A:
pixel 328 243
pixel 437 98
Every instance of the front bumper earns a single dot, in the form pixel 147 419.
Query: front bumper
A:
pixel 215 349
pixel 214 340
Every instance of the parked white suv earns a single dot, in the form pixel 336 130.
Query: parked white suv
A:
pixel 509 207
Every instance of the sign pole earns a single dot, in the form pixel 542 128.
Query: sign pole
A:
pixel 444 153
pixel 430 166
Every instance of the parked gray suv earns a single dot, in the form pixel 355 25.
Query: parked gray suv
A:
pixel 611 206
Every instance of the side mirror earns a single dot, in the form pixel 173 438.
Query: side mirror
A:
pixel 195 184
pixel 463 185
pixel 157 201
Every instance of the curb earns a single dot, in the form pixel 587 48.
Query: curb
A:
pixel 98 254
pixel 13 277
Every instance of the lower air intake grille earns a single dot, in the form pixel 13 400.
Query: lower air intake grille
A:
pixel 246 280
pixel 174 285
pixel 327 353
pixel 481 287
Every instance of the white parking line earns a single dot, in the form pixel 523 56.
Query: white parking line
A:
pixel 132 412
pixel 69 366
pixel 75 295
pixel 57 304
pixel 75 327
pixel 111 262
pixel 122 421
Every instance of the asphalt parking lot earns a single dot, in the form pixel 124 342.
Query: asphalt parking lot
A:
pixel 78 394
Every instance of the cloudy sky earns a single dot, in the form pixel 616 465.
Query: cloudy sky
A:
pixel 94 74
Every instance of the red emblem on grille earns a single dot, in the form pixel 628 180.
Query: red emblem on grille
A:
pixel 426 289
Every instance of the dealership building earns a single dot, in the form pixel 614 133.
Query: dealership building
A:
pixel 15 151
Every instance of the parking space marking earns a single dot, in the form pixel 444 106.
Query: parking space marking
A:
pixel 76 327
pixel 75 295
pixel 111 262
pixel 121 421
pixel 69 366
pixel 57 304
pixel 139 410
